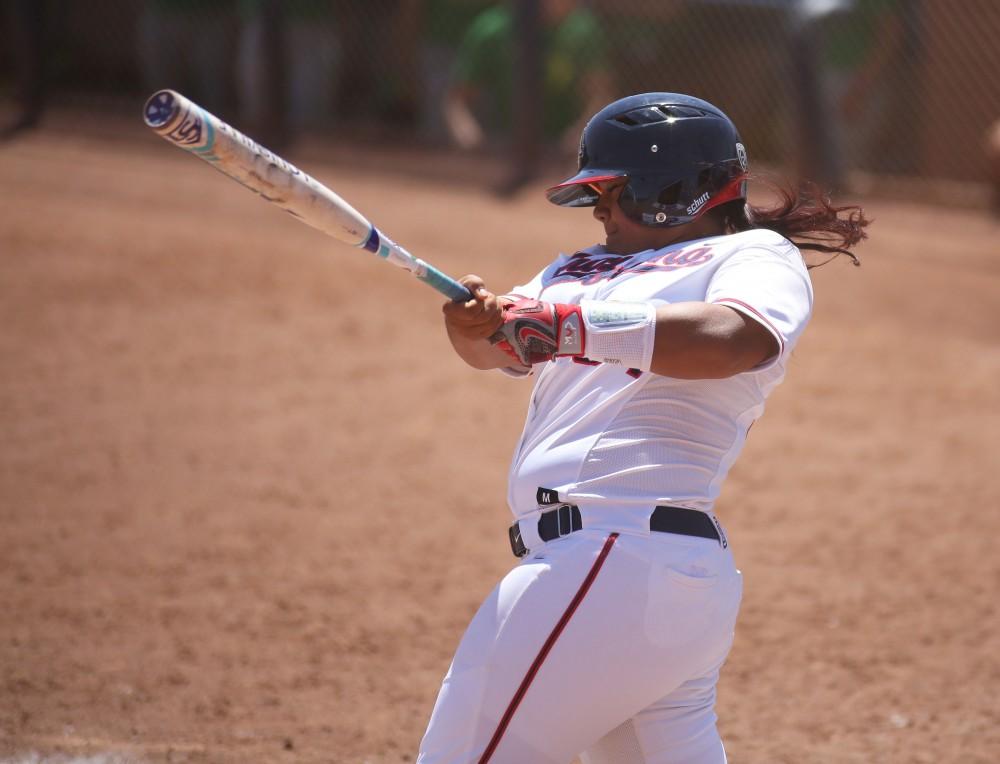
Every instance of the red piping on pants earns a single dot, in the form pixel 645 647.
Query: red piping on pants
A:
pixel 547 648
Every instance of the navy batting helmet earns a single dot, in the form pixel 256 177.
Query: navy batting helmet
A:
pixel 681 156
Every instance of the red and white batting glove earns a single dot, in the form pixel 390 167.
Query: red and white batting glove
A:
pixel 617 333
pixel 534 331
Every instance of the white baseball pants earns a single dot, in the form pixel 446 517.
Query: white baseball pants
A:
pixel 597 644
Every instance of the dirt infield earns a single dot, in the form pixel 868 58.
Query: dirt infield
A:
pixel 249 499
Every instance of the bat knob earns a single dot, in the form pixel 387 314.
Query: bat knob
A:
pixel 160 108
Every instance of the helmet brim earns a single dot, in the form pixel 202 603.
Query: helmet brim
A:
pixel 576 191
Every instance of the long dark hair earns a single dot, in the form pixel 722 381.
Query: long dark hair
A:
pixel 805 216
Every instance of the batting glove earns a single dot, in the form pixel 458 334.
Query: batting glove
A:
pixel 534 331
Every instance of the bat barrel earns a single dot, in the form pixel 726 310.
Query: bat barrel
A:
pixel 188 126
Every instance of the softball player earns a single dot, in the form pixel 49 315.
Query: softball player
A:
pixel 652 354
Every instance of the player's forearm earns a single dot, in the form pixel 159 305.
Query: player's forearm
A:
pixel 693 340
pixel 697 340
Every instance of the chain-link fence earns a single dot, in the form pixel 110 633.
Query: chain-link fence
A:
pixel 826 87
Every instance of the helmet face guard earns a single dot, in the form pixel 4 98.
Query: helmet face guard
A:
pixel 680 156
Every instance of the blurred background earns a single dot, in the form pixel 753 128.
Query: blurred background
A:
pixel 897 95
pixel 250 498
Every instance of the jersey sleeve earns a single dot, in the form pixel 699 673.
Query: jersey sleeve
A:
pixel 770 285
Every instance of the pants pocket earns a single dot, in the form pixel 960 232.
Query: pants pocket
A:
pixel 695 579
pixel 682 604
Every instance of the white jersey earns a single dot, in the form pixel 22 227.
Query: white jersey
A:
pixel 600 435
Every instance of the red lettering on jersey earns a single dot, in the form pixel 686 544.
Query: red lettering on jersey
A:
pixel 590 269
pixel 672 261
pixel 582 265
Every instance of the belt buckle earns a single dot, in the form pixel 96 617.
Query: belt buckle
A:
pixel 552 524
pixel 565 521
pixel 558 522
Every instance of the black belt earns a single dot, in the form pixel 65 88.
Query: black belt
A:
pixel 563 520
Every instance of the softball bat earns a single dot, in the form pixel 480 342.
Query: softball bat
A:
pixel 192 128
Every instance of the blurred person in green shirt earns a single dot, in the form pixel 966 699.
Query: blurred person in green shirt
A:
pixel 443 27
pixel 575 82
pixel 861 47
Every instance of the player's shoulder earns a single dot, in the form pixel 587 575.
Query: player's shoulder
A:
pixel 760 243
pixel 760 237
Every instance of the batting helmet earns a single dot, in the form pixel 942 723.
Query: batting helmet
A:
pixel 681 156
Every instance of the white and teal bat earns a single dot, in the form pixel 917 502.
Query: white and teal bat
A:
pixel 193 129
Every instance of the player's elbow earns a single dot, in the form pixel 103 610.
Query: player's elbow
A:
pixel 735 355
pixel 743 343
pixel 737 362
pixel 699 341
pixel 707 361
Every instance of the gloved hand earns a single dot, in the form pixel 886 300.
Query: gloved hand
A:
pixel 534 331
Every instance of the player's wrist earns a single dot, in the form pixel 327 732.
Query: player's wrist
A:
pixel 619 333
pixel 571 336
pixel 615 333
